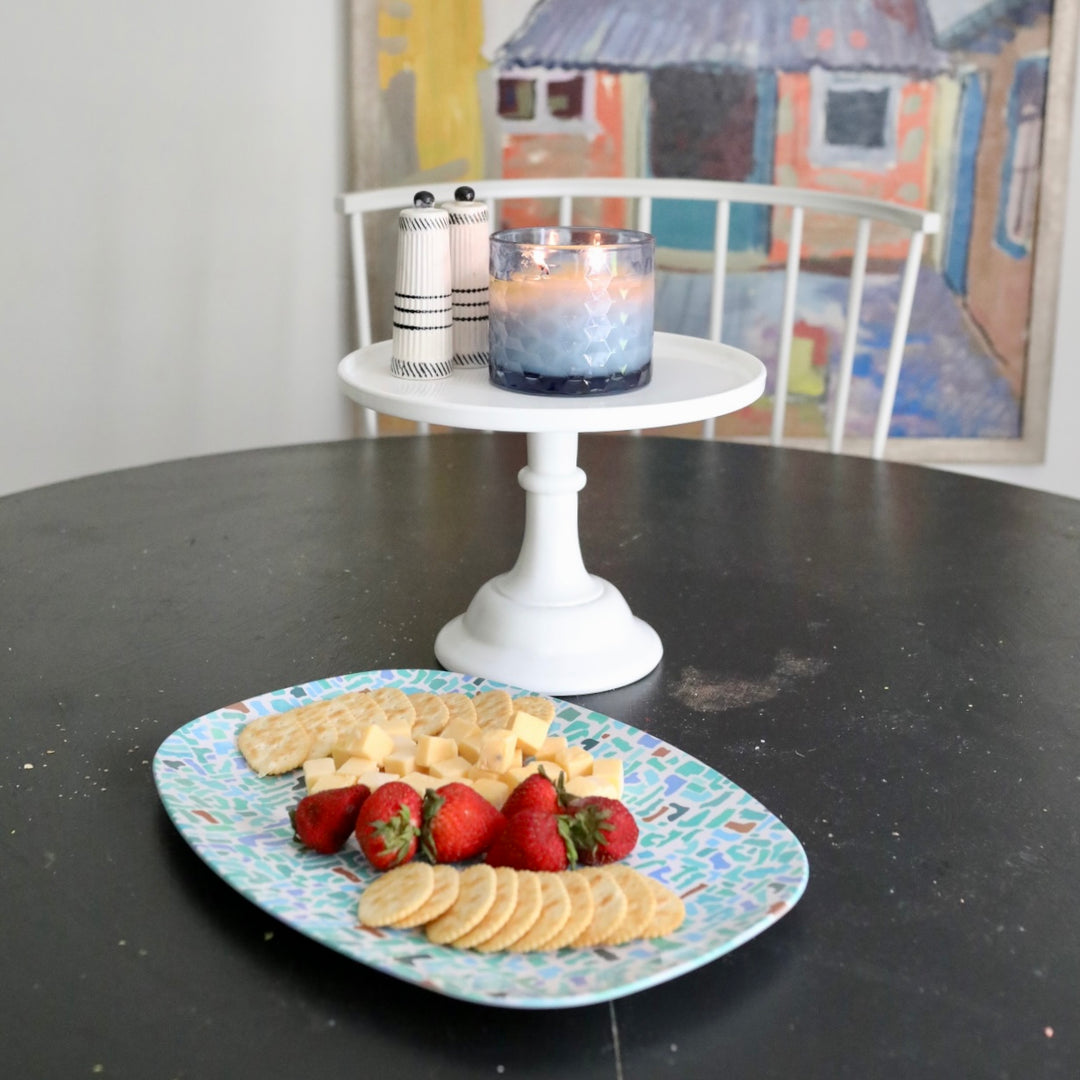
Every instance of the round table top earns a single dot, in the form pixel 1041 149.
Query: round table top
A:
pixel 883 655
pixel 692 379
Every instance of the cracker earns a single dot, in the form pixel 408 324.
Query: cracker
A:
pixel 494 709
pixel 397 894
pixel 443 895
pixel 355 710
pixel 640 904
pixel 275 744
pixel 395 703
pixel 474 900
pixel 541 707
pixel 581 909
pixel 609 907
pixel 554 914
pixel 321 721
pixel 506 892
pixel 432 714
pixel 526 912
pixel 669 914
pixel 459 705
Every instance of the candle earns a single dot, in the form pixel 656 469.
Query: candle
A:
pixel 571 310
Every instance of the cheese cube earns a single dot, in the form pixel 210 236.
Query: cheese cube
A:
pixel 455 768
pixel 577 762
pixel 530 730
pixel 552 748
pixel 581 786
pixel 497 750
pixel 418 781
pixel 459 728
pixel 375 779
pixel 334 780
pixel 431 749
pixel 474 772
pixel 315 767
pixel 400 762
pixel 610 771
pixel 355 766
pixel 469 746
pixel 495 791
pixel 396 723
pixel 370 742
pixel 519 774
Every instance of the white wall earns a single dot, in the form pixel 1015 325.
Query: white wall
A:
pixel 173 275
pixel 172 268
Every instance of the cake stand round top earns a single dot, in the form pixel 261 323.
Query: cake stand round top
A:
pixel 692 379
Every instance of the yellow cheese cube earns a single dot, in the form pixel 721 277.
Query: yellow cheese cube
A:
pixel 459 728
pixel 316 767
pixel 469 747
pixel 370 741
pixel 552 748
pixel 497 750
pixel 577 762
pixel 396 723
pixel 334 780
pixel 552 770
pixel 530 730
pixel 455 768
pixel 581 786
pixel 474 772
pixel 375 779
pixel 431 749
pixel 418 781
pixel 495 791
pixel 520 773
pixel 356 766
pixel 610 770
pixel 400 762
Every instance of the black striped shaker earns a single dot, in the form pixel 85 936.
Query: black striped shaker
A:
pixel 423 344
pixel 469 268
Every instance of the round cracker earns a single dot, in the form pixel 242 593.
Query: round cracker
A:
pixel 670 911
pixel 609 907
pixel 581 909
pixel 394 702
pixel 541 707
pixel 321 721
pixel 526 912
pixel 554 914
pixel 443 895
pixel 459 705
pixel 397 894
pixel 506 892
pixel 432 715
pixel 275 744
pixel 494 709
pixel 640 904
pixel 474 900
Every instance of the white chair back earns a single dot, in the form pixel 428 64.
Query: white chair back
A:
pixel 913 223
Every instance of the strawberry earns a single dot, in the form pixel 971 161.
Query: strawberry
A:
pixel 536 792
pixel 604 830
pixel 534 840
pixel 388 825
pixel 458 823
pixel 325 820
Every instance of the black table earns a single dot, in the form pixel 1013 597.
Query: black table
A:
pixel 888 657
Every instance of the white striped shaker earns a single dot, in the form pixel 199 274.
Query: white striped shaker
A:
pixel 470 256
pixel 423 344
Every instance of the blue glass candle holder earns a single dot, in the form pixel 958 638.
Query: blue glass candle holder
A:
pixel 571 310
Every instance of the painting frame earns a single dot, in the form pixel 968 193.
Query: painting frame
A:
pixel 372 123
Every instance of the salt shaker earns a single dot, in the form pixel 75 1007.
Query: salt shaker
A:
pixel 423 342
pixel 469 259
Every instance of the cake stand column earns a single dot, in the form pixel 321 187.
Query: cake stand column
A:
pixel 547 624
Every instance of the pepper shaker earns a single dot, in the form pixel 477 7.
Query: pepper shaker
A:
pixel 423 343
pixel 469 269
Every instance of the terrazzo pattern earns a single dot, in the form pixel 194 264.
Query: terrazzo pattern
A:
pixel 738 868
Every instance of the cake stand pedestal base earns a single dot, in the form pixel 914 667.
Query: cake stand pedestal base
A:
pixel 548 624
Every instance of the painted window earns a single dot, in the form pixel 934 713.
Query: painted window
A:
pixel 541 100
pixel 1019 199
pixel 853 119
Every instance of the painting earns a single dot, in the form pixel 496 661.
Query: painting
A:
pixel 956 106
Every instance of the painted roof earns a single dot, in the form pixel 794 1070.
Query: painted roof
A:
pixel 786 35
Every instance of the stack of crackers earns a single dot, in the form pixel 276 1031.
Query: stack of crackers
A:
pixel 500 909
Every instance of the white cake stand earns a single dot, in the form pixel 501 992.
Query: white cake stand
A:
pixel 548 624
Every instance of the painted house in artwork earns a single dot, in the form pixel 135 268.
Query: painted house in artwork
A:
pixel 1000 49
pixel 830 94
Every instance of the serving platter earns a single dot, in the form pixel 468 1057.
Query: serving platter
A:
pixel 737 867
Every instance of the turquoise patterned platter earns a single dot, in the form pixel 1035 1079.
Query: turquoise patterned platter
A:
pixel 737 867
